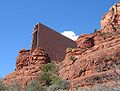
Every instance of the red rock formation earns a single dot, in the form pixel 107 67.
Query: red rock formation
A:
pixel 96 59
pixel 94 65
pixel 22 59
pixel 111 20
pixel 28 66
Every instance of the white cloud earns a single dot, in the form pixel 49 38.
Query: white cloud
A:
pixel 70 34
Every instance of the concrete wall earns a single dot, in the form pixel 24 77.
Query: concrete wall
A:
pixel 34 40
pixel 51 41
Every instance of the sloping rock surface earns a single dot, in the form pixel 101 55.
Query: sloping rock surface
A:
pixel 96 60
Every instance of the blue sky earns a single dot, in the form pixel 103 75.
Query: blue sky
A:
pixel 18 17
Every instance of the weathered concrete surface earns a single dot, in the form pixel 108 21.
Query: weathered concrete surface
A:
pixel 52 42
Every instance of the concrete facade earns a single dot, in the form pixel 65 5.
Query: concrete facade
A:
pixel 53 43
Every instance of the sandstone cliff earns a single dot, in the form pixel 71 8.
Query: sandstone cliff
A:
pixel 96 60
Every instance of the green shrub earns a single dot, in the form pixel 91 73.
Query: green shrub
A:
pixel 106 35
pixel 71 49
pixel 95 30
pixel 45 78
pixel 98 88
pixel 63 85
pixel 48 67
pixel 47 74
pixel 2 86
pixel 72 58
pixel 50 79
pixel 61 90
pixel 34 86
pixel 56 80
pixel 15 86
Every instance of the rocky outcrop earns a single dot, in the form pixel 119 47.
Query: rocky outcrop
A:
pixel 92 66
pixel 96 60
pixel 28 66
pixel 22 59
pixel 111 20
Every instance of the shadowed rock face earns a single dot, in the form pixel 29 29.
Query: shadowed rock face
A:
pixel 96 60
pixel 28 66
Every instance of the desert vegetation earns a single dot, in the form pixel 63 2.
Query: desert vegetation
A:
pixel 62 86
pixel 48 80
